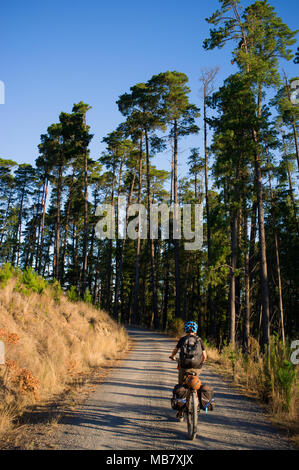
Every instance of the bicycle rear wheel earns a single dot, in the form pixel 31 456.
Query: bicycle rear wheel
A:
pixel 192 415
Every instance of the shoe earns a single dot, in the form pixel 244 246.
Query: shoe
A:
pixel 180 416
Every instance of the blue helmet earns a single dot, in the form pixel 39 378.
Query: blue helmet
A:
pixel 191 327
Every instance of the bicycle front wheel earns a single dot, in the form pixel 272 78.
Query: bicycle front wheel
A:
pixel 192 415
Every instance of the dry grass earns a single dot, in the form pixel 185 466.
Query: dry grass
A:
pixel 256 378
pixel 213 354
pixel 47 344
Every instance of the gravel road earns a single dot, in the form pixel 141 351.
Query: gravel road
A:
pixel 131 409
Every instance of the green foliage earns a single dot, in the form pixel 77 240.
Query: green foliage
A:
pixel 260 36
pixel 6 273
pixel 87 296
pixel 33 282
pixel 72 294
pixel 57 290
pixel 280 372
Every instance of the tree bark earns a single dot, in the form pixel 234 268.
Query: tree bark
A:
pixel 109 257
pixel 277 265
pixel 247 309
pixel 232 295
pixel 151 240
pixel 176 243
pixel 262 237
pixel 85 236
pixel 57 226
pixel 136 316
pixel 67 218
pixel 263 257
pixel 43 227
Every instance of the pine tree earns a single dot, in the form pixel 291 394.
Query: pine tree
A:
pixel 262 38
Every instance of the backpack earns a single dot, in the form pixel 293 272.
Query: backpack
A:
pixel 191 353
pixel 178 400
pixel 206 397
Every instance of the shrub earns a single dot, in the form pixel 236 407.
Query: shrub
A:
pixel 281 373
pixel 57 291
pixel 72 294
pixel 33 282
pixel 271 376
pixel 87 296
pixel 176 327
pixel 6 273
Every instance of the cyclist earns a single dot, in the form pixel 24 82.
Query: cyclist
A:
pixel 191 328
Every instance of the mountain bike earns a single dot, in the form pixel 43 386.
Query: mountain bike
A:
pixel 191 409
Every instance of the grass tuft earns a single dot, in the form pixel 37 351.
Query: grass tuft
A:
pixel 49 340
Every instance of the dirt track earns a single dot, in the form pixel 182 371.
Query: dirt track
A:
pixel 131 410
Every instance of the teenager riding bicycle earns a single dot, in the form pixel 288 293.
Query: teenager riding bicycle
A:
pixel 192 351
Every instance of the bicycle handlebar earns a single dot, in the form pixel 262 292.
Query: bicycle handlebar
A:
pixel 175 359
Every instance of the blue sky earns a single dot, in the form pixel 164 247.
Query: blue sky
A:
pixel 57 53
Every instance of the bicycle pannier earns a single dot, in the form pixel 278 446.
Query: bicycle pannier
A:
pixel 178 400
pixel 206 397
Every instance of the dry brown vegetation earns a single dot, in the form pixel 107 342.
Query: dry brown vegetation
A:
pixel 268 380
pixel 48 341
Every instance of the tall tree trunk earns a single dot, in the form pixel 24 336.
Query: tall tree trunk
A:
pixel 41 245
pixel 119 272
pixel 206 82
pixel 232 293
pixel 253 228
pixel 176 242
pixel 199 319
pixel 117 255
pixel 262 237
pixel 151 240
pixel 66 227
pixel 39 218
pixel 136 316
pixel 186 282
pixel 90 258
pixel 96 277
pixel 277 265
pixel 57 226
pixel 85 236
pixel 167 261
pixel 20 221
pixel 109 257
pixel 263 258
pixel 238 266
pixel 166 291
pixel 6 216
pixel 247 306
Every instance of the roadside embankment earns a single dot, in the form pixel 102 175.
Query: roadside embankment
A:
pixel 49 340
